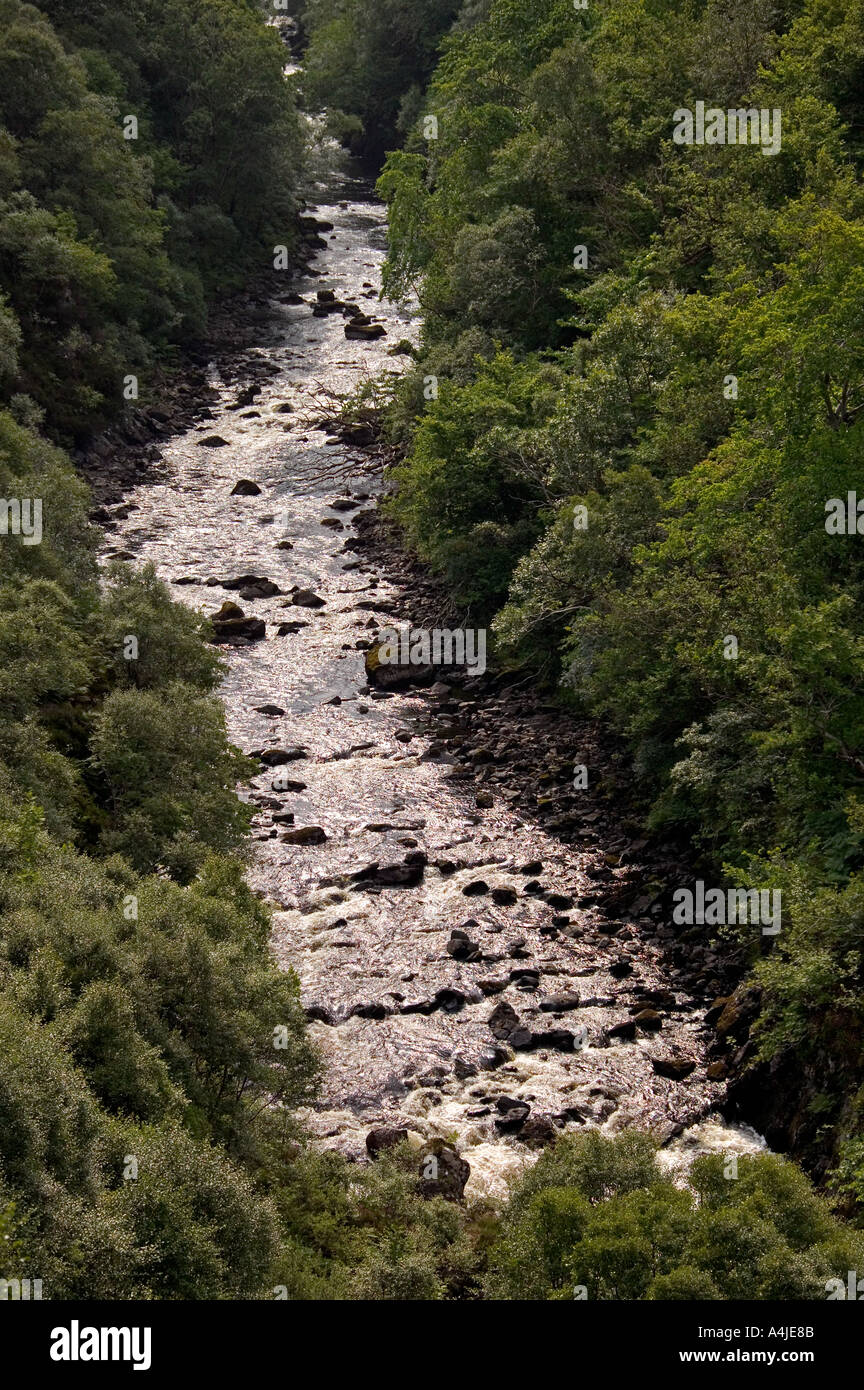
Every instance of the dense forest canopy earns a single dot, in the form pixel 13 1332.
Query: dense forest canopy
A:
pixel 649 360
pixel 149 153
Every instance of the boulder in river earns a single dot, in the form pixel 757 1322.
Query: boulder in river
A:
pixel 503 1020
pixel 389 675
pixel 475 889
pixel 461 947
pixel 674 1068
pixel 304 835
pixel 493 1057
pixel 560 1039
pixel 318 1013
pixel 450 1000
pixel 562 902
pixel 242 581
pixel 277 757
pixel 625 1031
pixel 442 1172
pixel 525 978
pixel 305 598
pixel 649 1020
pixel 262 588
pixel 308 223
pixel 490 985
pixel 621 968
pixel 246 397
pixel 419 1006
pixel 383 1138
pixel 371 1009
pixel 405 875
pixel 213 441
pixel 559 1003
pixel 230 624
pixel 538 1132
pixel 368 331
pixel 512 1114
pixel 245 488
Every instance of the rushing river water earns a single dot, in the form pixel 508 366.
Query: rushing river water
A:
pixel 413 1056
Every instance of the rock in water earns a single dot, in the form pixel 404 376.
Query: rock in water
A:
pixel 675 1068
pixel 262 588
pixel 242 581
pixel 366 331
pixel 305 835
pixel 559 1003
pixel 649 1020
pixel 386 1137
pixel 230 624
pixel 305 598
pixel 387 675
pixel 513 1114
pixel 442 1172
pixel 405 875
pixel 476 889
pixel 276 757
pixel 503 1020
pixel 245 488
pixel 461 947
pixel 538 1132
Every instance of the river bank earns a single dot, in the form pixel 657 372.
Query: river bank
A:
pixel 181 396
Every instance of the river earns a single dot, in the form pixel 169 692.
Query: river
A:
pixel 419 1054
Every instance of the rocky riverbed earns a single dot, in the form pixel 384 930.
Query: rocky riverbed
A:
pixel 484 953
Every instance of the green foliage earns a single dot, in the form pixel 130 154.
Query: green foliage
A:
pixel 465 496
pixel 110 245
pixel 627 1232
pixel 370 59
pixel 169 778
pixel 701 397
pixel 152 1056
pixel 168 635
pixel 138 1017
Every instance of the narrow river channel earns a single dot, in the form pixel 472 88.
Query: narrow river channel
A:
pixel 403 1023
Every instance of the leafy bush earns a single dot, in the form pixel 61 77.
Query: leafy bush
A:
pixel 596 1219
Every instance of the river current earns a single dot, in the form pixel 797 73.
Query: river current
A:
pixel 402 1024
